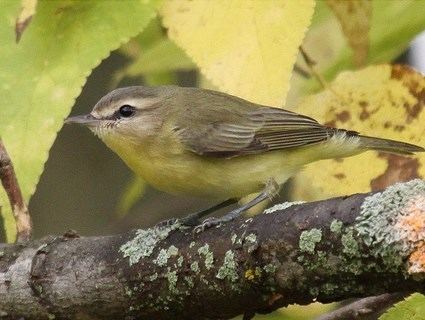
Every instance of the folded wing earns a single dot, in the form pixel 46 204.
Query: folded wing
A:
pixel 261 130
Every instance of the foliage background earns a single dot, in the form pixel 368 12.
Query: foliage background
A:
pixel 85 186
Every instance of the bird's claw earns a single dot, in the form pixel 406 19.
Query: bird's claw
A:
pixel 206 224
pixel 167 223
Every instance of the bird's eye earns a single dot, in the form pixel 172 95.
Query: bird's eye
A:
pixel 127 111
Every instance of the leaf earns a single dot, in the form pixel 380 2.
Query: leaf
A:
pixel 383 101
pixel 386 40
pixel 163 56
pixel 153 55
pixel 42 76
pixel 133 191
pixel 24 17
pixel 411 308
pixel 246 48
pixel 354 17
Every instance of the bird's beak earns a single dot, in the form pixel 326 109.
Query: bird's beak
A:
pixel 86 120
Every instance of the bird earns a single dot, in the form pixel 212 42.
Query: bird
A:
pixel 209 144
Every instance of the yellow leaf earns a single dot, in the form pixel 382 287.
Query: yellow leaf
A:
pixel 384 101
pixel 24 17
pixel 355 18
pixel 246 48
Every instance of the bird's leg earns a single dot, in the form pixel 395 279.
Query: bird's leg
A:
pixel 193 219
pixel 270 190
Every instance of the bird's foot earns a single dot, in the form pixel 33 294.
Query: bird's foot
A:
pixel 167 223
pixel 206 224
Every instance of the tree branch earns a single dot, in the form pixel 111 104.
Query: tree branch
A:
pixel 17 203
pixel 346 247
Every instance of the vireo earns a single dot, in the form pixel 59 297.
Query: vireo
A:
pixel 214 145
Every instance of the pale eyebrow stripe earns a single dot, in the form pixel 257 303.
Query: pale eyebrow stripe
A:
pixel 142 103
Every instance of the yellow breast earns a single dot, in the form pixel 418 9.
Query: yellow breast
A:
pixel 168 166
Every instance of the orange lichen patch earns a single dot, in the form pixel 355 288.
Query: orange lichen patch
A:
pixel 417 260
pixel 413 220
pixel 251 274
pixel 413 225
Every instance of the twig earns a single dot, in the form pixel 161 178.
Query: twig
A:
pixel 369 308
pixel 303 73
pixel 17 203
pixel 311 66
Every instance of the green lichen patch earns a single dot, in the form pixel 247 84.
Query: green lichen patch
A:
pixel 172 251
pixel 128 291
pixel 309 239
pixel 229 268
pixel 163 255
pixel 208 255
pixel 172 282
pixel 162 258
pixel 233 238
pixel 189 281
pixel 282 206
pixel 194 266
pixel 349 244
pixel 336 226
pixel 251 242
pixel 318 262
pixel 270 268
pixel 153 277
pixel 180 261
pixel 145 241
pixel 252 238
pixel 380 226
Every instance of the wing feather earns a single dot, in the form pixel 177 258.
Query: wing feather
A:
pixel 261 130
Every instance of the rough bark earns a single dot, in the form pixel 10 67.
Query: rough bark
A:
pixel 346 247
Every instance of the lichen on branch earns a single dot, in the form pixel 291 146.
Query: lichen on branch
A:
pixel 353 246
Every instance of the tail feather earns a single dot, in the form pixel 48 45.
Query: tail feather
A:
pixel 387 145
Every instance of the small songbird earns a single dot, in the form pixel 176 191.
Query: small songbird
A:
pixel 210 144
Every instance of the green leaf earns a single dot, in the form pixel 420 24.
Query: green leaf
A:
pixel 133 191
pixel 43 74
pixel 412 308
pixel 163 56
pixel 153 56
pixel 326 45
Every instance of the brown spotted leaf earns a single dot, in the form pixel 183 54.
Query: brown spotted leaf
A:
pixel 383 101
pixel 355 18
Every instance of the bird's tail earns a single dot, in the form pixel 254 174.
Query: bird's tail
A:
pixel 387 145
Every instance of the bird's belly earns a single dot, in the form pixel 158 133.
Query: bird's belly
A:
pixel 213 178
